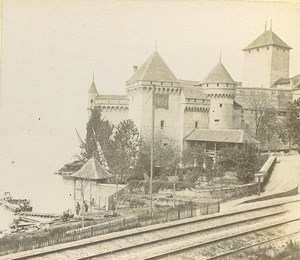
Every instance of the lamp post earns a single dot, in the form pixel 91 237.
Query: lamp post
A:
pixel 152 150
pixel 258 179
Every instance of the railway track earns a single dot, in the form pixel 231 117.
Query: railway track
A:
pixel 128 244
pixel 187 251
pixel 232 253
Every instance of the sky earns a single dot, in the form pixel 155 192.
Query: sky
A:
pixel 51 48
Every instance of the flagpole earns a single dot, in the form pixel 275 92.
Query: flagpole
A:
pixel 152 150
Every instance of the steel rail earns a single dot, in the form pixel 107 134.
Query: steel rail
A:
pixel 180 235
pixel 249 246
pixel 200 244
pixel 172 224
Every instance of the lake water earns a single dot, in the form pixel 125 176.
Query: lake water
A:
pixel 50 193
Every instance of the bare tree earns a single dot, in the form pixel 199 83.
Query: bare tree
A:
pixel 258 105
pixel 83 182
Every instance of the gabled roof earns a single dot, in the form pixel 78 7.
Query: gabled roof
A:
pixel 153 69
pixel 221 136
pixel 236 105
pixel 266 39
pixel 284 81
pixel 193 92
pixel 92 170
pixel 93 89
pixel 296 79
pixel 219 74
pixel 191 89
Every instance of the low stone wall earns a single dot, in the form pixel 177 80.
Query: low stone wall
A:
pixel 267 169
pixel 287 193
pixel 233 192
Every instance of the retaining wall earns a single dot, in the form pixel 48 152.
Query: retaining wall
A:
pixel 267 169
pixel 287 193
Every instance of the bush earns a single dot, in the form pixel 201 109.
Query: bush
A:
pixel 245 162
pixel 136 186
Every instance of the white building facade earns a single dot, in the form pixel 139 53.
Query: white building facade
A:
pixel 214 103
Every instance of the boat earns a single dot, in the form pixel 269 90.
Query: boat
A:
pixel 15 205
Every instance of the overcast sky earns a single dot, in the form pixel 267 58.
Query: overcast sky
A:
pixel 51 48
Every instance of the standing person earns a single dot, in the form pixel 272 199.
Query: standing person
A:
pixel 86 206
pixel 77 208
pixel 16 220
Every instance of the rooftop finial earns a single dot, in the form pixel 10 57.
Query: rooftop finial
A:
pixel 155 45
pixel 220 59
pixel 93 76
pixel 271 25
pixel 265 25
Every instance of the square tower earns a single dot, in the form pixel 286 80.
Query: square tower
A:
pixel 154 74
pixel 266 60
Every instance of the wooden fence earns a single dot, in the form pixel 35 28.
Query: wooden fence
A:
pixel 9 246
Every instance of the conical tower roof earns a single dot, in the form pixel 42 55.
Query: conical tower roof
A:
pixel 93 89
pixel 92 170
pixel 153 69
pixel 219 74
pixel 266 39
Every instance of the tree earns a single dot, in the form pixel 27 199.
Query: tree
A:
pixel 291 130
pixel 82 187
pixel 125 148
pixel 260 108
pixel 195 156
pixel 245 161
pixel 97 130
pixel 167 157
pixel 268 130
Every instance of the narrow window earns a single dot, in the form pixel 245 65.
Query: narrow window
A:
pixel 162 124
pixel 92 101
pixel 221 105
pixel 218 85
pixel 267 48
pixel 196 124
pixel 161 83
pixel 257 50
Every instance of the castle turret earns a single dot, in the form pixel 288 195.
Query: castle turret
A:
pixel 220 88
pixel 92 95
pixel 154 72
pixel 266 60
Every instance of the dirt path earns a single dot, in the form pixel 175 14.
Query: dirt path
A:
pixel 285 174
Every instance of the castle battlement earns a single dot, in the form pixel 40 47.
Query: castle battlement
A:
pixel 215 103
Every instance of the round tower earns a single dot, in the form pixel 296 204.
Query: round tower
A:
pixel 92 95
pixel 220 88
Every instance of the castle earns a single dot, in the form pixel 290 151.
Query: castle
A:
pixel 215 111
